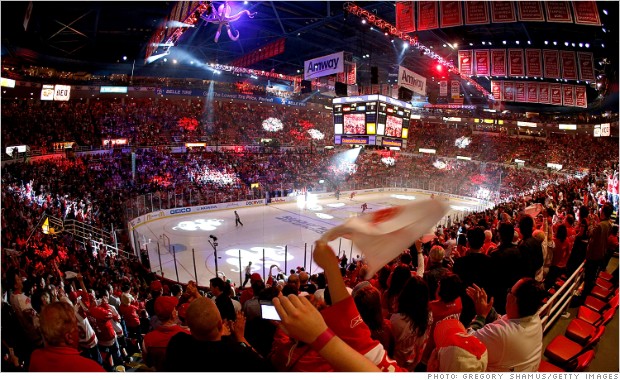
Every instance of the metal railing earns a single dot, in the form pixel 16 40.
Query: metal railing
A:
pixel 560 300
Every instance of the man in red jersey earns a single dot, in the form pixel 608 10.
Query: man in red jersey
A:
pixel 61 334
pixel 155 342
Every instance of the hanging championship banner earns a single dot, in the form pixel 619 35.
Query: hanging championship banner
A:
pixel 586 66
pixel 515 63
pixel 556 94
pixel 503 11
pixel 530 11
pixel 443 88
pixel 580 97
pixel 568 95
pixel 476 12
pixel 411 80
pixel 543 93
pixel 496 89
pixel 404 16
pixel 428 15
pixel 520 95
pixel 586 13
pixel 551 60
pixel 558 11
pixel 465 62
pixel 323 66
pixel 533 59
pixel 451 14
pixel 455 87
pixel 498 62
pixel 569 65
pixel 482 62
pixel 532 92
pixel 509 91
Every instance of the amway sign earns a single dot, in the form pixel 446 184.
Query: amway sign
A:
pixel 411 80
pixel 322 66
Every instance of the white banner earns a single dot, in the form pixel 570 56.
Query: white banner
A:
pixel 411 80
pixel 443 88
pixel 322 66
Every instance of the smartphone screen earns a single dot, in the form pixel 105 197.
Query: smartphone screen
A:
pixel 269 312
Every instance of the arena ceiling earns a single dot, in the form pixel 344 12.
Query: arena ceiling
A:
pixel 95 36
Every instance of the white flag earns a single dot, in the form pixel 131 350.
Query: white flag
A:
pixel 383 235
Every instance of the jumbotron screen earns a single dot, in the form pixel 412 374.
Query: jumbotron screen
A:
pixel 371 120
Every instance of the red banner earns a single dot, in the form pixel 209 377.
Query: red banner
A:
pixel 543 93
pixel 568 95
pixel 451 14
pixel 428 15
pixel 404 16
pixel 586 66
pixel 481 61
pixel 465 62
pixel 586 13
pixel 533 58
pixel 476 12
pixel 580 97
pixel 515 63
pixel 520 95
pixel 532 92
pixel 270 50
pixel 556 94
pixel 551 60
pixel 569 65
pixel 558 11
pixel 496 89
pixel 530 11
pixel 498 62
pixel 509 91
pixel 503 11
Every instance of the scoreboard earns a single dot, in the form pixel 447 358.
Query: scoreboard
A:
pixel 371 120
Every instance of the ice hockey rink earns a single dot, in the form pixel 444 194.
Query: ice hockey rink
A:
pixel 283 232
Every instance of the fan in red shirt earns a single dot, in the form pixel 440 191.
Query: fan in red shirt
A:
pixel 155 342
pixel 60 331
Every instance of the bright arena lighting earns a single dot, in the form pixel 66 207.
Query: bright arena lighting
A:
pixel 323 216
pixel 335 205
pixel 198 225
pixel 316 134
pixel 483 193
pixel 462 142
pixel 389 161
pixel 402 196
pixel 272 124
pixel 308 201
pixel 273 256
pixel 440 165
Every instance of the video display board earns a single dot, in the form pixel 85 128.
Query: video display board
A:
pixel 367 119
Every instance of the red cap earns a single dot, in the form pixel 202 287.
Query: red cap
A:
pixel 164 306
pixel 156 286
pixel 256 277
pixel 183 310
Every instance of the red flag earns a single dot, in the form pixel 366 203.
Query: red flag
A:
pixel 451 14
pixel 503 11
pixel 404 16
pixel 428 15
pixel 558 11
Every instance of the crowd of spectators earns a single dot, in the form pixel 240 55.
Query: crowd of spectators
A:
pixel 122 312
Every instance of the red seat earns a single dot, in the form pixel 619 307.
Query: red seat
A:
pixel 584 360
pixel 562 351
pixel 600 292
pixel 605 276
pixel 608 316
pixel 595 339
pixel 545 366
pixel 607 285
pixel 595 304
pixel 580 331
pixel 589 315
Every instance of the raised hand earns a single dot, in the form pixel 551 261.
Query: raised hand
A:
pixel 300 319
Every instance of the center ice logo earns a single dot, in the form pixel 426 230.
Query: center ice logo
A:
pixel 198 224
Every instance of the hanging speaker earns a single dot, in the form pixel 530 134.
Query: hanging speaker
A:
pixel 341 89
pixel 404 94
pixel 306 86
pixel 374 75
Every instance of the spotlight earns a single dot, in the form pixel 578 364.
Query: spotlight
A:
pixel 504 42
pixel 581 44
pixel 517 42
pixel 124 58
pixel 471 44
pixel 602 45
pixel 566 43
pixel 392 40
pixel 363 21
pixel 604 30
pixel 587 45
pixel 555 43
pixel 573 44
pixel 546 42
pixel 605 11
pixel 490 43
pixel 484 43
pixel 406 45
pixel 174 61
pixel 165 59
pixel 444 45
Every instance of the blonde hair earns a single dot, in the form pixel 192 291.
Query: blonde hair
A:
pixel 56 320
pixel 437 253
